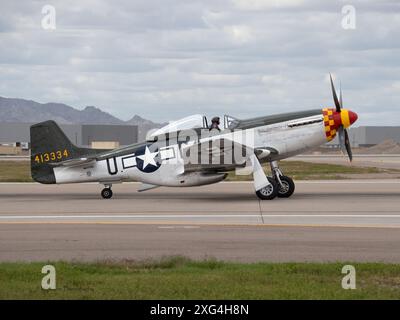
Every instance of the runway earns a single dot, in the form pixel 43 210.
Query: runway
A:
pixel 360 203
pixel 323 221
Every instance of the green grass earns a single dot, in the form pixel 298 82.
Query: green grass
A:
pixel 180 278
pixel 300 170
pixel 15 171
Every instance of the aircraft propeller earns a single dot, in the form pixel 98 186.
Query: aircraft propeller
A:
pixel 344 140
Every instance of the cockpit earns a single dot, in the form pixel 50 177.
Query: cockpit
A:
pixel 196 121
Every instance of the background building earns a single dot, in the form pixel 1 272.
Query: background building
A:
pixel 82 135
pixel 367 136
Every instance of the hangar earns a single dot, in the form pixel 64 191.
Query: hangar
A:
pixel 16 134
pixel 367 136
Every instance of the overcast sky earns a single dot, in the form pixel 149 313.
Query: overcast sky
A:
pixel 169 58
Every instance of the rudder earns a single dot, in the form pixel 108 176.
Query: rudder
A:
pixel 49 144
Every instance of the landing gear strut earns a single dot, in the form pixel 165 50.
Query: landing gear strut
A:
pixel 285 184
pixel 107 193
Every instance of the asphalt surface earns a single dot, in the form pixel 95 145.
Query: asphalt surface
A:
pixel 322 221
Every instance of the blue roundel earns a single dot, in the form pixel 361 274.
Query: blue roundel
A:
pixel 148 158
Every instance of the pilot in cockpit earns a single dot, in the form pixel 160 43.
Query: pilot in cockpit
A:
pixel 215 124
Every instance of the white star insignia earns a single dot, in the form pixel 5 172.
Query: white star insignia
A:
pixel 148 158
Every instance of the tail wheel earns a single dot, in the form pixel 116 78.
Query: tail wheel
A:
pixel 106 193
pixel 269 192
pixel 287 187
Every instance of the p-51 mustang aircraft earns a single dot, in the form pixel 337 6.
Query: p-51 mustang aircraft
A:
pixel 189 152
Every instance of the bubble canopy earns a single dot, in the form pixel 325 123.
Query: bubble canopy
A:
pixel 190 122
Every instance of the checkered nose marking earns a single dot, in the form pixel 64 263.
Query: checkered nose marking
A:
pixel 333 120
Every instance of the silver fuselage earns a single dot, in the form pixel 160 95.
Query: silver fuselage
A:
pixel 287 138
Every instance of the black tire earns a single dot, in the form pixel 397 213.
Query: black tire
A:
pixel 269 192
pixel 288 187
pixel 106 193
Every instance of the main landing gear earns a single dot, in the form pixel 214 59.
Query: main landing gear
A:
pixel 285 184
pixel 280 186
pixel 107 193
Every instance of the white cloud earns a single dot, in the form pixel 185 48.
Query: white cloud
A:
pixel 266 4
pixel 240 34
pixel 170 58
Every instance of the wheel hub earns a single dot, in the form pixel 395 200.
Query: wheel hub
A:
pixel 267 191
pixel 284 187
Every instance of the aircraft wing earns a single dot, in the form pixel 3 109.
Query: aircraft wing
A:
pixel 222 154
pixel 215 155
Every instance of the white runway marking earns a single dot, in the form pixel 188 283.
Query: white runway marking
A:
pixel 203 216
pixel 130 216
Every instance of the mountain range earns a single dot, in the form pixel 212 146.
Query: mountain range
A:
pixel 21 110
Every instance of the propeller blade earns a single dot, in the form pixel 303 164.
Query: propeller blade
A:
pixel 342 139
pixel 344 142
pixel 335 98
pixel 347 144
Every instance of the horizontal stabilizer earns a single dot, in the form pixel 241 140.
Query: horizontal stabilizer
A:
pixel 73 162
